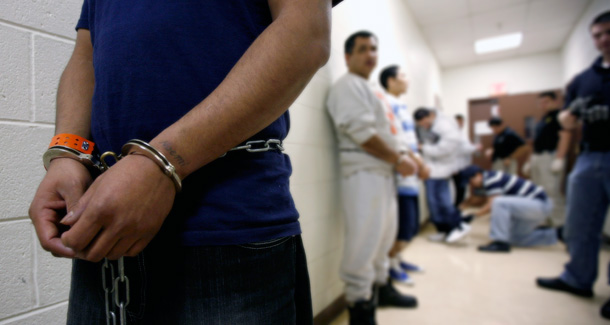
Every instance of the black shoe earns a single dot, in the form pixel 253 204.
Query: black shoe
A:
pixel 558 284
pixel 605 311
pixel 468 219
pixel 560 234
pixel 389 296
pixel 496 247
pixel 362 313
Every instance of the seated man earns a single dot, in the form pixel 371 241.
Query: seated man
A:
pixel 518 207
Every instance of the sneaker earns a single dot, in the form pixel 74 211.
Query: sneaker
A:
pixel 496 247
pixel 389 296
pixel 559 285
pixel 438 237
pixel 408 267
pixel 401 276
pixel 458 233
pixel 362 313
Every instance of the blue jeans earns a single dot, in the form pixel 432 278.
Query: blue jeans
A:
pixel 443 213
pixel 588 198
pixel 262 283
pixel 514 220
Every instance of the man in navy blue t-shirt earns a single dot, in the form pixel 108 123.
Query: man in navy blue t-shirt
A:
pixel 193 80
pixel 588 190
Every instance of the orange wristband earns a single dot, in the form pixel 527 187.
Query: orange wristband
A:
pixel 73 141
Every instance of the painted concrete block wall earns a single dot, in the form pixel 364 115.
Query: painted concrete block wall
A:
pixel 36 40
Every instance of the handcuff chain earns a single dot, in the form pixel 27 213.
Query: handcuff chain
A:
pixel 255 146
pixel 111 286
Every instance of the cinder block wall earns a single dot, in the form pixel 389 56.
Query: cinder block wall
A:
pixel 36 40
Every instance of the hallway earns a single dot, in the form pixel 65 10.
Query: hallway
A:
pixel 462 286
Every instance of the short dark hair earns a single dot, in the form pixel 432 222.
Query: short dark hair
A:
pixel 604 17
pixel 387 73
pixel 459 116
pixel 421 113
pixel 495 121
pixel 350 42
pixel 549 94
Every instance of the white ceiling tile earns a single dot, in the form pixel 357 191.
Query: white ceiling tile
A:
pixel 494 23
pixel 453 32
pixel 546 13
pixel 544 40
pixel 434 11
pixel 481 6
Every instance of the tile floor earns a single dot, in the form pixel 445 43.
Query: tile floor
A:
pixel 462 286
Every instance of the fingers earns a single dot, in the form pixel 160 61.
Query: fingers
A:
pixel 99 247
pixel 44 217
pixel 81 233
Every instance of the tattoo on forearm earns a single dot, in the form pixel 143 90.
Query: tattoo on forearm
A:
pixel 167 146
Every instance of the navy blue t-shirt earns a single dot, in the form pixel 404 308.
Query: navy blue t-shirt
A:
pixel 595 83
pixel 154 61
pixel 506 143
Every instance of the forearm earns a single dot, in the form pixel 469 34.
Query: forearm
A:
pixel 75 90
pixel 520 152
pixel 564 143
pixel 260 88
pixel 486 209
pixel 376 147
pixel 567 120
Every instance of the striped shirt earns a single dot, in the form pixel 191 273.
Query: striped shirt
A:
pixel 499 183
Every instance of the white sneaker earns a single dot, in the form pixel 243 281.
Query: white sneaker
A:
pixel 438 237
pixel 458 233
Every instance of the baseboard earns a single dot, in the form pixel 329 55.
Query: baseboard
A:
pixel 331 312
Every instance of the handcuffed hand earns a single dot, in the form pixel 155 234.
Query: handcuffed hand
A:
pixel 60 190
pixel 586 109
pixel 121 212
pixel 406 166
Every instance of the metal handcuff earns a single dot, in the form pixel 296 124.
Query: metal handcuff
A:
pixel 112 289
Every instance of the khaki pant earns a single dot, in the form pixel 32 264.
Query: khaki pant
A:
pixel 542 175
pixel 498 165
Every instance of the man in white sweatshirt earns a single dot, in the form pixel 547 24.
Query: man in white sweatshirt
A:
pixel 441 151
pixel 369 151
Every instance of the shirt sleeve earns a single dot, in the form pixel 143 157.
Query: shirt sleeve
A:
pixel 351 113
pixel 83 21
pixel 570 94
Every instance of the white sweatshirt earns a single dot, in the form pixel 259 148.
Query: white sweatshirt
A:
pixel 358 114
pixel 442 156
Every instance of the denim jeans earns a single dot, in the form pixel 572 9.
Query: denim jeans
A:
pixel 443 213
pixel 588 199
pixel 514 220
pixel 261 283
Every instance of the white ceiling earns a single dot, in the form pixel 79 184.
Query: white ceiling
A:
pixel 452 26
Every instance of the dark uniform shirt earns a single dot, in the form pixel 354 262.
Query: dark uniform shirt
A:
pixel 595 83
pixel 547 132
pixel 506 143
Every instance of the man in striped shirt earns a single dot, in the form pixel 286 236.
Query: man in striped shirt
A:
pixel 517 206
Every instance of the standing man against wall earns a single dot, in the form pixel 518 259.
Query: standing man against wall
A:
pixel 369 147
pixel 508 147
pixel 464 159
pixel 440 154
pixel 547 163
pixel 395 82
pixel 588 103
pixel 193 79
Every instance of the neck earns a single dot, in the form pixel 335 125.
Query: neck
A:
pixel 394 93
pixel 365 76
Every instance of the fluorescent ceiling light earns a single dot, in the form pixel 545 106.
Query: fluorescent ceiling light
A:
pixel 499 43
